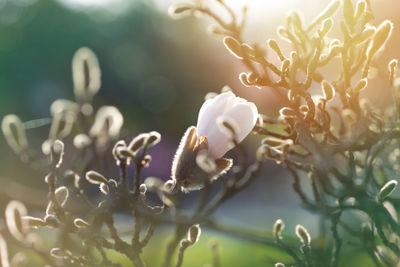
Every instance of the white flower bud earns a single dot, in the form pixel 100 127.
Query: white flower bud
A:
pixel 95 177
pixel 387 189
pixel 303 235
pixel 240 113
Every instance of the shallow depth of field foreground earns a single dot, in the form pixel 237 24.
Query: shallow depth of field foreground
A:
pixel 200 133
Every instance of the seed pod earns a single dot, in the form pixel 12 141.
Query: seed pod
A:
pixel 382 34
pixel 95 177
pixel 234 47
pixel 303 235
pixel 387 189
pixel 80 223
pixel 328 90
pixel 279 225
pixel 194 234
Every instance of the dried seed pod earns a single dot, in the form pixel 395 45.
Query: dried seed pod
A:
pixel 303 235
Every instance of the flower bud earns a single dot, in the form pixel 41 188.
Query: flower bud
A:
pixel 179 10
pixel 33 222
pixel 303 235
pixel 82 141
pixel 95 177
pixel 326 27
pixel 62 194
pixel 138 142
pixel 86 74
pixel 275 47
pixel 194 234
pixel 361 85
pixel 234 47
pixel 154 138
pixel 387 189
pixel 80 223
pixel 104 188
pixel 4 261
pixel 382 34
pixel 279 225
pixel 328 90
pixel 348 12
pixel 360 9
pixel 17 141
pixel 14 212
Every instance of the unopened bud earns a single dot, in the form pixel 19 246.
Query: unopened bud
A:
pixel 303 235
pixel 275 47
pixel 361 85
pixel 234 47
pixel 95 177
pixel 387 189
pixel 328 90
pixel 194 234
pixel 80 223
pixel 279 225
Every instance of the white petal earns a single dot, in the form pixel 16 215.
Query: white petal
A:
pixel 211 109
pixel 245 116
pixel 218 142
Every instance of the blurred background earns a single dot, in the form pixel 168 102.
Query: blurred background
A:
pixel 156 70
